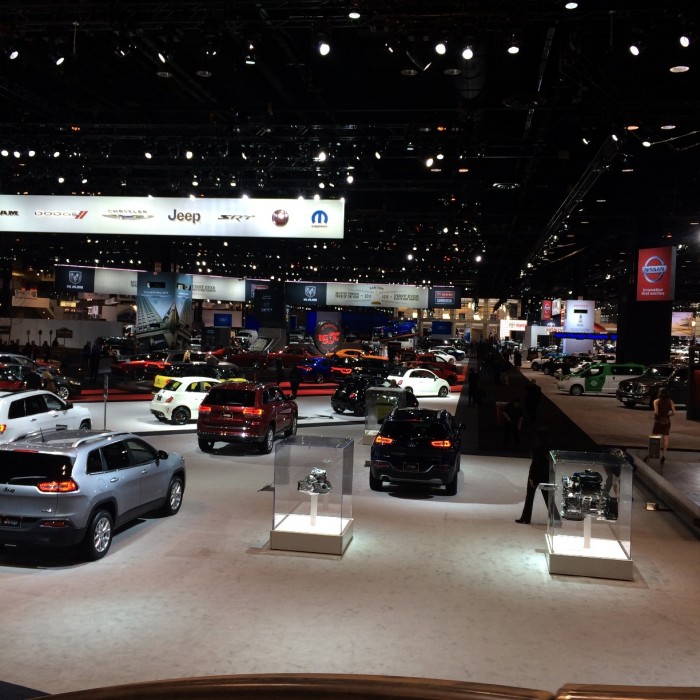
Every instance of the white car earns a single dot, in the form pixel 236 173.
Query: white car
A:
pixel 421 382
pixel 35 410
pixel 178 401
pixel 457 354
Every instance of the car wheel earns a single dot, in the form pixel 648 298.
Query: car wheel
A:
pixel 443 391
pixel 408 390
pixel 205 445
pixel 268 440
pixel 174 499
pixel 292 429
pixel 374 483
pixel 98 536
pixel 629 404
pixel 546 370
pixel 181 415
pixel 451 487
pixel 63 392
pixel 576 390
pixel 85 425
pixel 338 409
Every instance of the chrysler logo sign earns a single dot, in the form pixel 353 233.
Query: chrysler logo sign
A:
pixel 654 269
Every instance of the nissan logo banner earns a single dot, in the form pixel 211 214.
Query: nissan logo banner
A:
pixel 656 274
pixel 173 217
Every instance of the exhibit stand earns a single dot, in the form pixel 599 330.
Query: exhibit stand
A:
pixel 379 402
pixel 589 523
pixel 312 509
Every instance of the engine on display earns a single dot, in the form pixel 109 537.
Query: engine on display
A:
pixel 584 494
pixel 315 482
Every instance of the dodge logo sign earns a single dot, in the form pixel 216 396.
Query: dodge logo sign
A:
pixel 654 269
pixel 75 276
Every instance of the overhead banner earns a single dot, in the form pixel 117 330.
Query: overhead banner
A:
pixel 174 216
pixel 546 310
pixel 445 298
pixel 656 274
pixel 381 295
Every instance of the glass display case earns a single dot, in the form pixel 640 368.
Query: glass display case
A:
pixel 312 509
pixel 379 402
pixel 589 524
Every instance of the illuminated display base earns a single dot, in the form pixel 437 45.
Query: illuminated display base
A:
pixel 602 558
pixel 296 533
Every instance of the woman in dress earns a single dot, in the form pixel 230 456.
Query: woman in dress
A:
pixel 664 408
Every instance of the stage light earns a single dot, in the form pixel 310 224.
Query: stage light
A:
pixel 468 53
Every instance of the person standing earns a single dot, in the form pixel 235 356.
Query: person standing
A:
pixel 513 421
pixel 279 370
pixel 472 387
pixel 95 355
pixel 533 397
pixel 538 474
pixel 664 408
pixel 294 380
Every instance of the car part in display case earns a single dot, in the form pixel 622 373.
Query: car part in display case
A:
pixel 583 494
pixel 316 482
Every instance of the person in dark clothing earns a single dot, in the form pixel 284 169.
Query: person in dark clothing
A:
pixel 513 421
pixel 538 474
pixel 95 354
pixel 32 380
pixel 294 381
pixel 472 387
pixel 279 369
pixel 533 397
pixel 517 359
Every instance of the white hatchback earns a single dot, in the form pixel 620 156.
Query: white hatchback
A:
pixel 421 382
pixel 178 401
pixel 33 411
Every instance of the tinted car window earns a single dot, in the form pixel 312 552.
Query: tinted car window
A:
pixel 414 429
pixel 93 464
pixel 16 409
pixel 116 456
pixel 53 403
pixel 33 467
pixel 139 452
pixel 34 405
pixel 230 397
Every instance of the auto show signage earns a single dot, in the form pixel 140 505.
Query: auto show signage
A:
pixel 445 298
pixel 546 309
pixel 305 293
pixel 580 316
pixel 656 274
pixel 328 336
pixel 380 295
pixel 175 216
pixel 164 310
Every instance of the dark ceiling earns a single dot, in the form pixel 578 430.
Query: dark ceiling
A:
pixel 548 214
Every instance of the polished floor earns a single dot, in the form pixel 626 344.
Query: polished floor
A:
pixel 430 585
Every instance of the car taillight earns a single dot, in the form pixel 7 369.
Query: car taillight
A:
pixel 441 443
pixel 400 382
pixel 169 399
pixel 3 427
pixel 381 440
pixel 353 395
pixel 253 411
pixel 57 486
pixel 204 409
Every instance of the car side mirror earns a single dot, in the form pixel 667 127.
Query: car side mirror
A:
pixel 69 404
pixel 162 454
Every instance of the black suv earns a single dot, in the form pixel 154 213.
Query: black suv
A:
pixel 350 394
pixel 645 388
pixel 417 445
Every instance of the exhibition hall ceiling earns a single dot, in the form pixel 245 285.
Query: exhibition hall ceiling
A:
pixel 539 183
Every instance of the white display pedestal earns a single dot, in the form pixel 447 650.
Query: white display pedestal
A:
pixel 330 535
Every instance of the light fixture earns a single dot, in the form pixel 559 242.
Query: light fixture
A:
pixel 354 10
pixel 679 69
pixel 441 47
pixel 125 44
pixel 635 48
pixel 468 52
pixel 513 44
pixel 323 47
pixel 57 54
pixel 684 40
pixel 571 5
pixel 250 52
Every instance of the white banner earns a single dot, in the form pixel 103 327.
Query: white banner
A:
pixel 383 295
pixel 166 216
pixel 511 324
pixel 580 316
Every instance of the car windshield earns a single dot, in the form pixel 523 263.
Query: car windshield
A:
pixel 31 468
pixel 413 429
pixel 228 397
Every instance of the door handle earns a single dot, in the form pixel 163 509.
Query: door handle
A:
pixel 114 479
pixel 144 471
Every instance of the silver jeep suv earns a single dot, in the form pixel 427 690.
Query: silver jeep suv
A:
pixel 75 487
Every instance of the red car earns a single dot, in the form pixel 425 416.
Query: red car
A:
pixel 292 355
pixel 245 412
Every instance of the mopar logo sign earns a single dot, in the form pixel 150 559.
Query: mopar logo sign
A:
pixel 75 277
pixel 319 219
pixel 654 269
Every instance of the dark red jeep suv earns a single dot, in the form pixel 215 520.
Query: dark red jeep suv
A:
pixel 245 412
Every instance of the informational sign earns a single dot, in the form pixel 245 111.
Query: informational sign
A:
pixel 656 274
pixel 556 307
pixel 445 298
pixel 305 293
pixel 164 310
pixel 174 217
pixel 507 326
pixel 682 323
pixel 380 295
pixel 580 316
